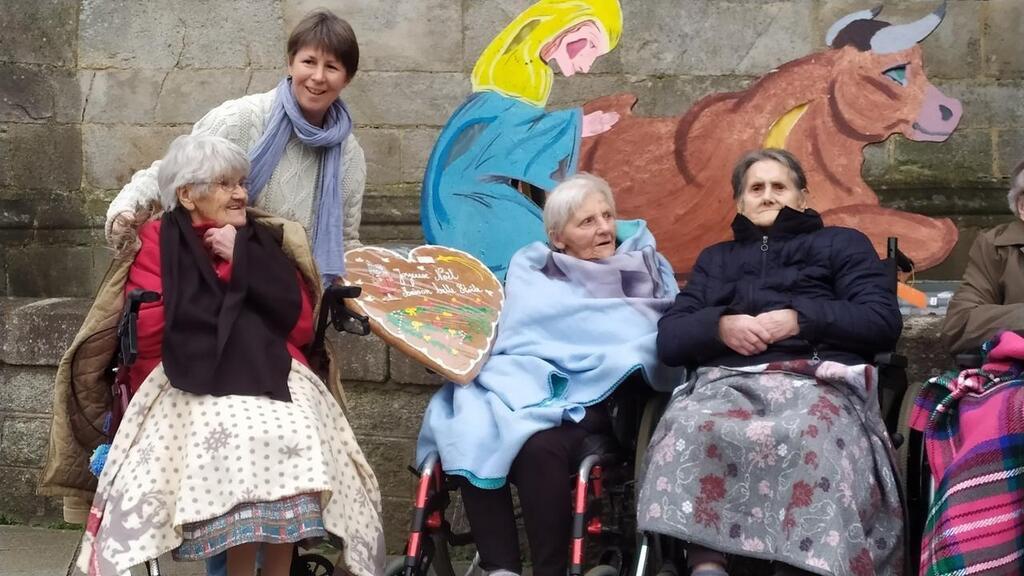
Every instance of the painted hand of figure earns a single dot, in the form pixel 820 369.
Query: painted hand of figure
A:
pixel 743 333
pixel 598 122
pixel 780 324
pixel 221 241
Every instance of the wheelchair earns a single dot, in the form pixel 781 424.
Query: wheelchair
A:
pixel 657 554
pixel 332 312
pixel 603 533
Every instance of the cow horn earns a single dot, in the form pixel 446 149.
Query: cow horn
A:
pixel 845 21
pixel 903 36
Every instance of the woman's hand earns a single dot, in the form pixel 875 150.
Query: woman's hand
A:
pixel 221 241
pixel 744 334
pixel 121 223
pixel 598 122
pixel 780 324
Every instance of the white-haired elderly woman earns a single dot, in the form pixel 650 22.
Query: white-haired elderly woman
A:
pixel 976 441
pixel 230 442
pixel 580 318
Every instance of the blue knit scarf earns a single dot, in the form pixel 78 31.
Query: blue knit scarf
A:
pixel 285 118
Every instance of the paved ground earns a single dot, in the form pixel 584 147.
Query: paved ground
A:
pixel 26 551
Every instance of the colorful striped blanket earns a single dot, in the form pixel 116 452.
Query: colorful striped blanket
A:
pixel 973 423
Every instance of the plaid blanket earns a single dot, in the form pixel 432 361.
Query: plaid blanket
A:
pixel 973 423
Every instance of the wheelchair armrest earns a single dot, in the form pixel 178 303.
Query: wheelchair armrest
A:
pixel 340 316
pixel 968 360
pixel 890 359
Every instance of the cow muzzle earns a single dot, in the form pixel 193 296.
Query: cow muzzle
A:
pixel 938 117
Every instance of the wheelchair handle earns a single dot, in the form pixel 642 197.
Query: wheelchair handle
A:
pixel 127 328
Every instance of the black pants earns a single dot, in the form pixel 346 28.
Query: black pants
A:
pixel 541 473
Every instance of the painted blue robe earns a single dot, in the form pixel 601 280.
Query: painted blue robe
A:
pixel 470 200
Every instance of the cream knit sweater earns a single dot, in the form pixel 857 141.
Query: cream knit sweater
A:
pixel 290 193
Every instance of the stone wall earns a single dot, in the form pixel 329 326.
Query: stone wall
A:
pixel 92 91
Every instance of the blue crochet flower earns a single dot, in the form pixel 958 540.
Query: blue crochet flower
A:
pixel 98 459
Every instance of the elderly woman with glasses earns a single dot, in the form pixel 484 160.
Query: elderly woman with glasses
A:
pixel 230 442
pixel 579 320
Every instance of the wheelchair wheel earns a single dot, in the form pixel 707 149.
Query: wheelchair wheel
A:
pixel 602 570
pixel 311 565
pixel 653 410
pixel 434 559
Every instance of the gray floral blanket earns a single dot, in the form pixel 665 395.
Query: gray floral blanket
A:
pixel 788 462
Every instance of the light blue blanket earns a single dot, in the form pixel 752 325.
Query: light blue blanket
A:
pixel 570 332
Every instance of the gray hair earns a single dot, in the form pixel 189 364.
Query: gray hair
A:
pixel 784 157
pixel 1016 188
pixel 566 198
pixel 198 159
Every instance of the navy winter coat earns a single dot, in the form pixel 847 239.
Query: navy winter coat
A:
pixel 831 276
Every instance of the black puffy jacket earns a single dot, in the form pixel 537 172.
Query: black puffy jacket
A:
pixel 831 276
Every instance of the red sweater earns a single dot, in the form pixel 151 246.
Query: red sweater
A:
pixel 145 273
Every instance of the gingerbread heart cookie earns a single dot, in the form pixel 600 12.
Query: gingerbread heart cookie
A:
pixel 436 304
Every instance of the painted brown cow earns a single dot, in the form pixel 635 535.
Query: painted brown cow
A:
pixel 675 172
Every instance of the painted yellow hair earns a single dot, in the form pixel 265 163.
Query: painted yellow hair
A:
pixel 511 63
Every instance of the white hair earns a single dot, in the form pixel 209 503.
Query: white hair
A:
pixel 198 159
pixel 1016 188
pixel 566 198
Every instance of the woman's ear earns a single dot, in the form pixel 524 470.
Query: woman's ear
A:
pixel 803 199
pixel 185 198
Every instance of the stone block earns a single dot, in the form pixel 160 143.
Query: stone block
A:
pixel 405 370
pixel 123 96
pixel 1005 26
pixel 406 98
pixel 396 208
pixel 383 155
pixel 114 153
pixel 186 34
pixel 363 358
pixel 187 95
pixel 374 409
pixel 397 514
pixel 986 103
pixel 417 144
pixel 424 35
pixel 261 81
pixel 964 159
pixel 24 441
pixel 919 343
pixel 37 156
pixel 38 331
pixel 1010 153
pixel 390 459
pixel 50 271
pixel 26 390
pixel 385 234
pixel 38 32
pixel 31 93
pixel 953 50
pixel 876 162
pixel 18 499
pixel 578 90
pixel 714 37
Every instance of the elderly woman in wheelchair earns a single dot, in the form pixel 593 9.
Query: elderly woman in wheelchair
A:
pixel 231 441
pixel 973 420
pixel 579 318
pixel 774 449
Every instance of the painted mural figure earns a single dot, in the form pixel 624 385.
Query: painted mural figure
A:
pixel 502 141
pixel 824 108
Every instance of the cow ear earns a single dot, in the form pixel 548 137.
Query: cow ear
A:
pixel 845 21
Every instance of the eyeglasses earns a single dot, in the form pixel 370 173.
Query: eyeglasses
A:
pixel 227 184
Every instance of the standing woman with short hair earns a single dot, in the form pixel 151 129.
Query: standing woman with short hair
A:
pixel 306 164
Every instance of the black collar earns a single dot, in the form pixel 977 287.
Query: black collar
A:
pixel 788 223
